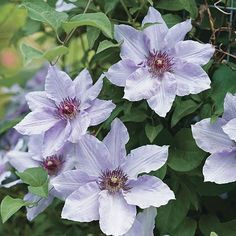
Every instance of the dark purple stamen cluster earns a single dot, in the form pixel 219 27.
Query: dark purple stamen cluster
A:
pixel 113 181
pixel 68 108
pixel 159 63
pixel 53 164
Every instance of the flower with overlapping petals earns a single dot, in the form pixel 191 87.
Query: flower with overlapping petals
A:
pixel 107 186
pixel 157 64
pixel 219 138
pixel 65 110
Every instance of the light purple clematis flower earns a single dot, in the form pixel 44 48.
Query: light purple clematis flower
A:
pixel 54 165
pixel 219 139
pixel 64 110
pixel 106 186
pixel 157 64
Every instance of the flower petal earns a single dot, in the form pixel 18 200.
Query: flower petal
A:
pixel 190 78
pixel 58 85
pixel 177 33
pixel 165 95
pixel 156 33
pixel 37 122
pixel 93 156
pixel 56 137
pixel 119 72
pixel 70 181
pixel 116 216
pixel 82 205
pixel 115 142
pixel 144 223
pixel 35 146
pixel 194 52
pixel 140 85
pixel 211 137
pixel 220 167
pixel 229 107
pixel 230 129
pixel 39 100
pixel 43 203
pixel 135 44
pixel 148 191
pixel 79 126
pixel 145 159
pixel 99 111
pixel 21 160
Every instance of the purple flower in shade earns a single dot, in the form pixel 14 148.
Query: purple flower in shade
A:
pixel 157 64
pixel 54 165
pixel 64 110
pixel 144 223
pixel 106 187
pixel 219 139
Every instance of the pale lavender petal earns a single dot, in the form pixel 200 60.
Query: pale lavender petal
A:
pixel 56 137
pixel 21 160
pixel 82 205
pixel 93 156
pixel 210 136
pixel 220 168
pixel 116 216
pixel 164 96
pixel 119 72
pixel 35 146
pixel 99 111
pixel 148 191
pixel 70 181
pixel 115 141
pixel 4 176
pixel 79 126
pixel 190 78
pixel 13 183
pixel 43 203
pixel 144 223
pixel 39 100
pixel 194 52
pixel 140 85
pixel 37 122
pixel 145 159
pixel 177 33
pixel 156 33
pixel 135 44
pixel 229 107
pixel 230 129
pixel 58 85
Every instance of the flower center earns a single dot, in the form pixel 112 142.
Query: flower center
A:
pixel 113 181
pixel 68 108
pixel 159 63
pixel 53 164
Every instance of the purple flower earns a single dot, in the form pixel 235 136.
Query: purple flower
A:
pixel 157 64
pixel 106 186
pixel 54 165
pixel 64 110
pixel 219 139
pixel 144 223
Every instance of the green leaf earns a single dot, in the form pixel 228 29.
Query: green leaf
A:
pixel 182 109
pixel 35 176
pixel 41 11
pixel 41 191
pixel 110 5
pixel 152 131
pixel 7 124
pixel 9 206
pixel 98 20
pixel 173 5
pixel 29 53
pixel 213 234
pixel 92 35
pixel 191 7
pixel 171 19
pixel 55 52
pixel 105 45
pixel 184 154
pixel 186 228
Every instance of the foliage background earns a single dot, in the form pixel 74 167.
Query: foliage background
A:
pixel 200 208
